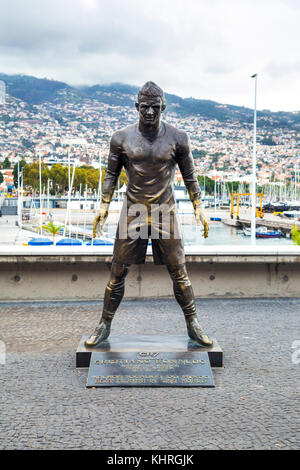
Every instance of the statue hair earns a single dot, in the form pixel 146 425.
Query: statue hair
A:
pixel 151 90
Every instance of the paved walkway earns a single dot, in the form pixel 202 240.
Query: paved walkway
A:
pixel 255 404
pixel 11 234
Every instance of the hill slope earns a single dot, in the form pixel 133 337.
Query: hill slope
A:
pixel 35 91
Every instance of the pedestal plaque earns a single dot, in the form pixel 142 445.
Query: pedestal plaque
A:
pixel 147 343
pixel 150 369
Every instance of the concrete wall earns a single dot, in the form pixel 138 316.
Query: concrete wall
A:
pixel 64 275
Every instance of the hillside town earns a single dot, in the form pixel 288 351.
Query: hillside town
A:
pixel 79 131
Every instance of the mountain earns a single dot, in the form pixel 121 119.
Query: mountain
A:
pixel 35 91
pixel 121 94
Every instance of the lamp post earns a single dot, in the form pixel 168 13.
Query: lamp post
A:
pixel 19 200
pixel 22 194
pixel 215 191
pixel 253 208
pixel 40 178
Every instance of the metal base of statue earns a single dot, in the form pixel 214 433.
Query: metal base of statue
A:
pixel 147 343
pixel 150 369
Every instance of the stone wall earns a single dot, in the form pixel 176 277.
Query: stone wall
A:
pixel 62 274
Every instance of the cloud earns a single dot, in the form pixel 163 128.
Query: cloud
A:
pixel 218 68
pixel 284 69
pixel 207 49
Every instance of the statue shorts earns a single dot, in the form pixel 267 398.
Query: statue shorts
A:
pixel 160 226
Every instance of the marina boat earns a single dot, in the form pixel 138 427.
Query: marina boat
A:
pixel 102 241
pixel 247 232
pixel 263 232
pixel 68 242
pixel 292 214
pixel 40 241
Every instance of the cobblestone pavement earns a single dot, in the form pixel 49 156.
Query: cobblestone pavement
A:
pixel 255 404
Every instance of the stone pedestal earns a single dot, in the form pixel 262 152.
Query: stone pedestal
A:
pixel 147 343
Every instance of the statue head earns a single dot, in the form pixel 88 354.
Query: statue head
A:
pixel 151 103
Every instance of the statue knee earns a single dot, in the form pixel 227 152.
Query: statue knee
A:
pixel 179 275
pixel 118 274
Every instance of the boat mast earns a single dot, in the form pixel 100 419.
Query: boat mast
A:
pixel 99 193
pixel 77 231
pixel 85 205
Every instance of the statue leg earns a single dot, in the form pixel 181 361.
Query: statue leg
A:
pixel 184 295
pixel 112 298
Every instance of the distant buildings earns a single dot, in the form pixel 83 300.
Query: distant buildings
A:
pixel 78 130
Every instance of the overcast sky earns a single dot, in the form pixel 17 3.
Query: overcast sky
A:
pixel 202 48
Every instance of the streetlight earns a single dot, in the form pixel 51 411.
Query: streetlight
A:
pixel 19 201
pixel 253 209
pixel 40 178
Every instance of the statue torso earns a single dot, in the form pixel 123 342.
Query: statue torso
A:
pixel 150 166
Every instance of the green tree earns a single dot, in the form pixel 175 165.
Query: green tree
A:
pixel 6 163
pixel 295 235
pixel 1 178
pixel 80 178
pixel 92 178
pixel 199 154
pixel 87 175
pixel 122 178
pixel 60 178
pixel 22 163
pixel 31 175
pixel 209 184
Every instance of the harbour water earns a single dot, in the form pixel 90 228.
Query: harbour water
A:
pixel 219 234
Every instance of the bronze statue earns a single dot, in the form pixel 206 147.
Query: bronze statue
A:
pixel 149 151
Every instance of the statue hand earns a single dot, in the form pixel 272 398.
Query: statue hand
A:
pixel 206 228
pixel 99 220
pixel 200 218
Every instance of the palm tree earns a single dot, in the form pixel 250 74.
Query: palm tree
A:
pixel 51 228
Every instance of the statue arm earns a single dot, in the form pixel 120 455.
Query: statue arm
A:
pixel 114 167
pixel 185 162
